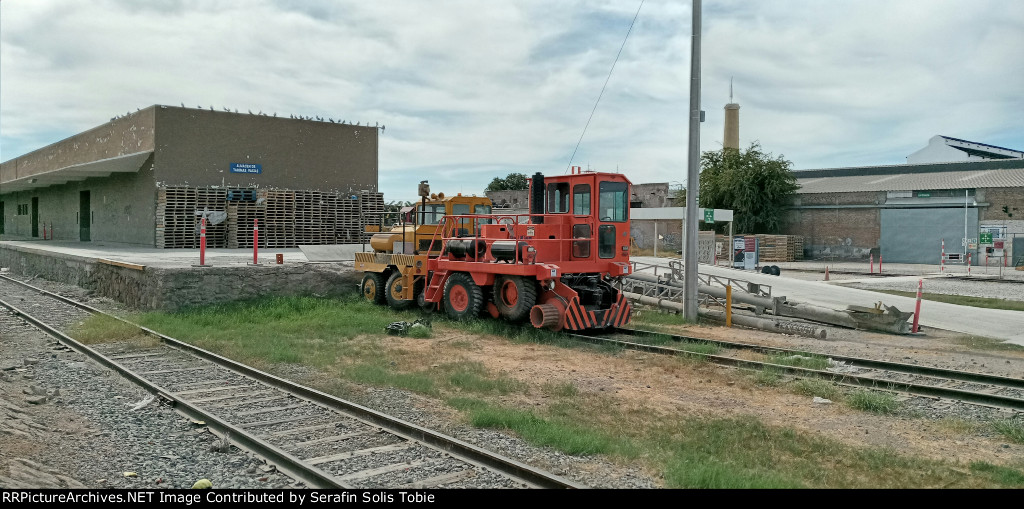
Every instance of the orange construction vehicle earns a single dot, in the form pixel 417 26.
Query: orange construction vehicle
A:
pixel 555 266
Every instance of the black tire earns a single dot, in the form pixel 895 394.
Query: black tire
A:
pixel 372 287
pixel 766 269
pixel 463 299
pixel 515 296
pixel 421 294
pixel 394 291
pixel 775 270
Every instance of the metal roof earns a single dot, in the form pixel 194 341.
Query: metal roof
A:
pixel 913 177
pixel 129 163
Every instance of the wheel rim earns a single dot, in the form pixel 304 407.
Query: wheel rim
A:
pixel 396 289
pixel 459 298
pixel 370 289
pixel 509 293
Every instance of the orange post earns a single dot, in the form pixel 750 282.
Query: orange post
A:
pixel 879 263
pixel 917 308
pixel 871 260
pixel 942 261
pixel 826 273
pixel 255 241
pixel 202 243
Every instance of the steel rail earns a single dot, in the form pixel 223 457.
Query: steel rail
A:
pixel 852 380
pixel 901 367
pixel 463 450
pixel 285 462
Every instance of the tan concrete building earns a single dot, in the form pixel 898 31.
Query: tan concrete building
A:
pixel 147 177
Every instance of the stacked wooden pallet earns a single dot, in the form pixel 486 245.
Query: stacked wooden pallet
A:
pixel 178 213
pixel 287 218
pixel 780 248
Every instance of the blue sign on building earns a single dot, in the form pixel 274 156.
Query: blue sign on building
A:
pixel 246 168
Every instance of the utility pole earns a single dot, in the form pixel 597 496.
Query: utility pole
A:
pixel 692 182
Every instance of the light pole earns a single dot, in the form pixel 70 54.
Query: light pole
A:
pixel 692 182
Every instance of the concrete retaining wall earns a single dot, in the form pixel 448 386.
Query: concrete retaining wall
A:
pixel 170 289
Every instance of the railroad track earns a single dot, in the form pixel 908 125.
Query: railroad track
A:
pixel 319 439
pixel 969 387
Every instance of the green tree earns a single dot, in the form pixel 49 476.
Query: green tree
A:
pixel 754 184
pixel 513 181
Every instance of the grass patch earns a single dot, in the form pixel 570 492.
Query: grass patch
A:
pixel 376 374
pixel 564 436
pixel 651 316
pixel 802 360
pixel 420 333
pixel 701 347
pixel 561 390
pixel 1014 430
pixel 984 343
pixel 816 387
pixel 957 426
pixel 473 377
pixel 963 300
pixel 768 377
pixel 1002 475
pixel 104 329
pixel 874 402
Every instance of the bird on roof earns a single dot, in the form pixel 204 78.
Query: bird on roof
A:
pixel 250 112
pixel 275 114
pixel 211 107
pixel 291 116
pixel 359 123
pixel 227 109
pixel 375 124
pixel 382 128
pixel 182 105
pixel 236 110
pixel 330 119
pixel 318 117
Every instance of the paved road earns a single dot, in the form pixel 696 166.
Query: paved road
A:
pixel 994 323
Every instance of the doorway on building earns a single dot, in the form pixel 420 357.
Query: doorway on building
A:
pixel 35 216
pixel 84 217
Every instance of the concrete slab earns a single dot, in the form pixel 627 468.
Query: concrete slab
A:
pixel 148 256
pixel 333 253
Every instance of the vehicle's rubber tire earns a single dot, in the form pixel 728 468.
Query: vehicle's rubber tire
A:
pixel 393 291
pixel 775 270
pixel 372 287
pixel 421 293
pixel 767 269
pixel 463 299
pixel 514 296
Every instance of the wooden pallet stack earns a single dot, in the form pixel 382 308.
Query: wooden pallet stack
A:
pixel 287 218
pixel 245 207
pixel 178 212
pixel 780 248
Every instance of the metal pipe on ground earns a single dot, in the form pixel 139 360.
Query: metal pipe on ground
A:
pixel 743 320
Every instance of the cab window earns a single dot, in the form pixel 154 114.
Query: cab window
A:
pixel 613 203
pixel 431 214
pixel 581 199
pixel 558 198
pixel 482 209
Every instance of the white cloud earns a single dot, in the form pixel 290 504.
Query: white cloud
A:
pixel 471 90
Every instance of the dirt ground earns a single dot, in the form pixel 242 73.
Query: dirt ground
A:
pixel 676 387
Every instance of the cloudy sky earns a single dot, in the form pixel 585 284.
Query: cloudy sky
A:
pixel 474 89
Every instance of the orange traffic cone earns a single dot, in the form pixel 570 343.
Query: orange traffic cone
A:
pixel 826 273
